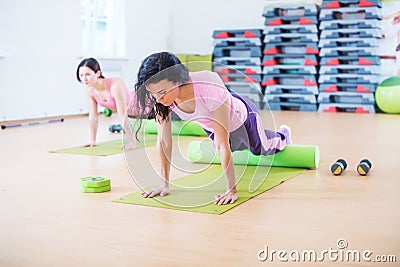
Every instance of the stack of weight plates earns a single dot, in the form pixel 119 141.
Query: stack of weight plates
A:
pixel 349 57
pixel 237 60
pixel 289 62
pixel 95 184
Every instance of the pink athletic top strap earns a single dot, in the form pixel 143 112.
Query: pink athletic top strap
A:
pixel 110 103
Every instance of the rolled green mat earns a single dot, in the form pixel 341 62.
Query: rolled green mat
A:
pixel 191 128
pixel 300 156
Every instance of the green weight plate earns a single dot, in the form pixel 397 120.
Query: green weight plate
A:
pixel 95 189
pixel 94 181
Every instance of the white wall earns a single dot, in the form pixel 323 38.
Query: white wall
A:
pixel 38 42
pixel 40 49
pixel 193 22
pixel 40 46
pixel 146 32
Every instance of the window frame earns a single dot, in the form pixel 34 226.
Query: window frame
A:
pixel 112 37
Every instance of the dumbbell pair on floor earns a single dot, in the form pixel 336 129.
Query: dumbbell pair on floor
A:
pixel 115 128
pixel 362 168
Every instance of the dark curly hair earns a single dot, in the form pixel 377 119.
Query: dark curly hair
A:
pixel 155 68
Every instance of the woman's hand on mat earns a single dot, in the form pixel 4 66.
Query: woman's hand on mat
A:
pixel 161 191
pixel 129 146
pixel 91 144
pixel 227 198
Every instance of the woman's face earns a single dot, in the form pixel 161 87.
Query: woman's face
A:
pixel 88 76
pixel 165 92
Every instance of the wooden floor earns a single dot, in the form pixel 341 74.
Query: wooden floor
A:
pixel 46 221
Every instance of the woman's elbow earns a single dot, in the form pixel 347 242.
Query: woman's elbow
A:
pixel 164 145
pixel 93 117
pixel 122 118
pixel 222 148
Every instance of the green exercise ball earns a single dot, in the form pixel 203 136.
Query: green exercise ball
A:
pixel 387 95
pixel 107 112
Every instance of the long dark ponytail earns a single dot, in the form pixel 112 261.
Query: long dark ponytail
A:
pixel 155 68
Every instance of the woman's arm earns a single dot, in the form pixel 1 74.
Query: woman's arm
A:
pixel 164 147
pixel 396 14
pixel 118 91
pixel 93 119
pixel 221 141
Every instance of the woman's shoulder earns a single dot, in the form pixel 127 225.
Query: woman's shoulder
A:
pixel 206 76
pixel 115 82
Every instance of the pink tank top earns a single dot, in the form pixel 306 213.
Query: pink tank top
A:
pixel 110 103
pixel 210 93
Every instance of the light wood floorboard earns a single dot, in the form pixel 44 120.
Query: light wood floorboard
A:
pixel 46 221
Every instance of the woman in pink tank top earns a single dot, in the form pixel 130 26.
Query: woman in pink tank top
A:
pixel 231 121
pixel 111 93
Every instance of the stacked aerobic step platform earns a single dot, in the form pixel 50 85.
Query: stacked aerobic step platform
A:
pixel 95 184
pixel 237 59
pixel 349 55
pixel 290 57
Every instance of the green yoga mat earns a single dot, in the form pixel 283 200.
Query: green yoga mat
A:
pixel 301 156
pixel 105 148
pixel 196 192
pixel 190 128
